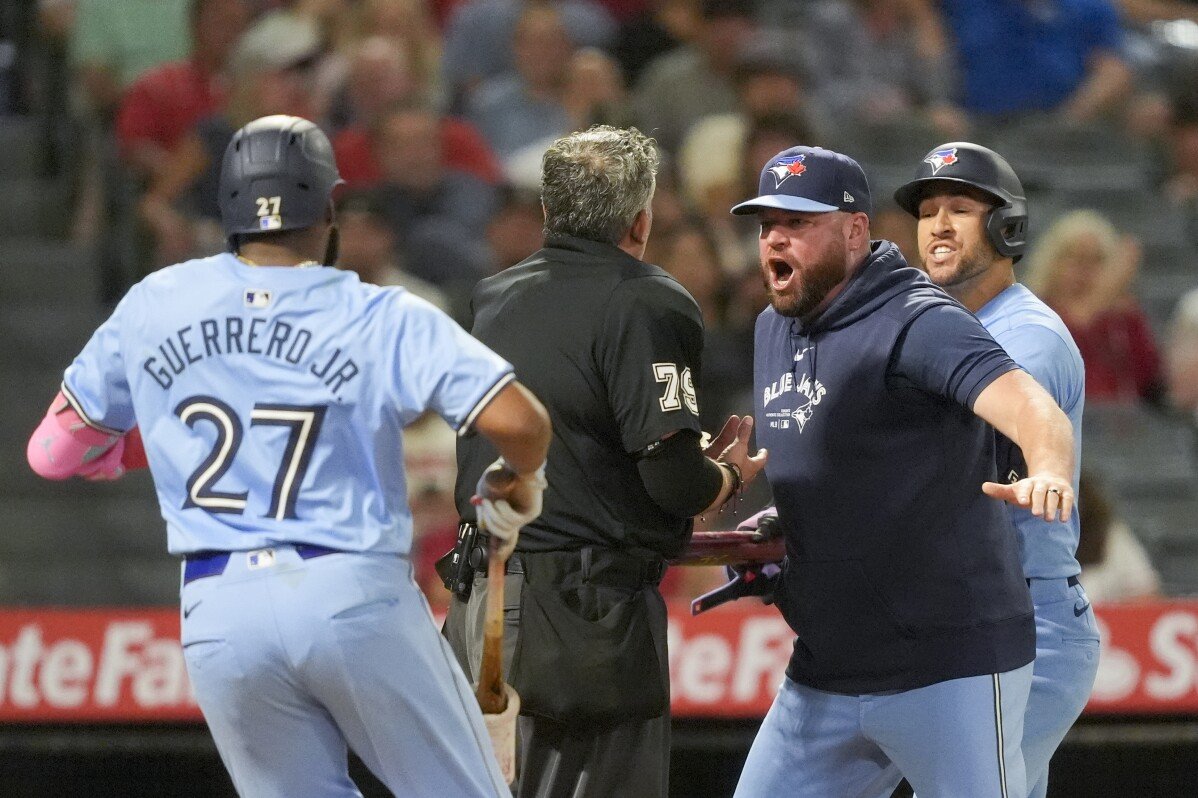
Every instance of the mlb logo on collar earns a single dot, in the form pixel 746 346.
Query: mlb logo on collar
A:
pixel 257 298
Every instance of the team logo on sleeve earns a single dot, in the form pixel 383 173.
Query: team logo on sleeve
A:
pixel 786 168
pixel 257 298
pixel 679 390
pixel 942 158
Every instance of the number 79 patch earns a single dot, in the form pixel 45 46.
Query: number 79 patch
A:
pixel 679 390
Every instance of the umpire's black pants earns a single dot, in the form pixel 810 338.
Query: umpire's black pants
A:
pixel 630 760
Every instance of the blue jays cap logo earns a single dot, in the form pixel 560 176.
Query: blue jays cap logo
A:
pixel 942 158
pixel 786 168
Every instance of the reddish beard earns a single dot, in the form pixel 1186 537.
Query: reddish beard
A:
pixel 810 284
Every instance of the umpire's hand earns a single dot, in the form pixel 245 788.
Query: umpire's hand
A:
pixel 732 446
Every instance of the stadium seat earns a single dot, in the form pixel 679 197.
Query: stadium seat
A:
pixel 1051 156
pixel 1139 452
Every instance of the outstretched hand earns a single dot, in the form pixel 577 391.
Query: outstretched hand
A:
pixel 737 452
pixel 1049 497
pixel 712 447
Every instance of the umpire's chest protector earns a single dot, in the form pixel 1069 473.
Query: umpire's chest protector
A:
pixel 890 542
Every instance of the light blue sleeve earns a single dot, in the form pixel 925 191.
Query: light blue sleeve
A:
pixel 441 367
pixel 96 383
pixel 1044 354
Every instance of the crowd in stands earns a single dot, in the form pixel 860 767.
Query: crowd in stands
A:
pixel 439 111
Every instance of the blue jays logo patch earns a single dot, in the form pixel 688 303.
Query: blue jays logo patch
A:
pixel 786 168
pixel 942 158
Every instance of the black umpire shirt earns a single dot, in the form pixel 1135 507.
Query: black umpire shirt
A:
pixel 611 346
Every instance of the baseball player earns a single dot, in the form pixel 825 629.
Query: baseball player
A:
pixel 972 230
pixel 875 395
pixel 271 391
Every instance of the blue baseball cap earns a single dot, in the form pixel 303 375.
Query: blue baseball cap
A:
pixel 810 179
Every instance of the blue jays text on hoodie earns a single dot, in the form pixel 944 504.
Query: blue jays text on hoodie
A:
pixel 900 572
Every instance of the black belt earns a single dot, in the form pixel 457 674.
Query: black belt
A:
pixel 213 563
pixel 1072 581
pixel 628 570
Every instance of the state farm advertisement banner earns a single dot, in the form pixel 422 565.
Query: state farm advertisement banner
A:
pixel 125 665
pixel 93 665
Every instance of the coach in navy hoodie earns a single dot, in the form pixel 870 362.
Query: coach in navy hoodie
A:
pixel 875 392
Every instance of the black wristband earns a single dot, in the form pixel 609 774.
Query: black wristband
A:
pixel 737 480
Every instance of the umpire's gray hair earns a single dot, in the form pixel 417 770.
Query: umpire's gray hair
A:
pixel 594 183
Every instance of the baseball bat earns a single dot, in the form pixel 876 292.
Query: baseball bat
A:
pixel 733 547
pixel 491 695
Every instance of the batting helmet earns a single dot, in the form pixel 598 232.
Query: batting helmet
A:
pixel 278 174
pixel 986 170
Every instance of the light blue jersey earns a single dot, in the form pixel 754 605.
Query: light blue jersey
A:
pixel 1036 338
pixel 272 400
pixel 1066 630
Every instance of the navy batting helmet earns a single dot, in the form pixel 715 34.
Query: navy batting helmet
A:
pixel 278 174
pixel 986 170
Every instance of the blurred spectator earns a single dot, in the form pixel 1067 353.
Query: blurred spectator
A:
pixel 524 106
pixel 711 175
pixel 112 43
pixel 1182 185
pixel 874 61
pixel 592 93
pixel 1181 357
pixel 1084 270
pixel 1115 566
pixel 769 135
pixel 772 78
pixel 595 93
pixel 367 246
pixel 769 84
pixel 695 80
pixel 689 253
pixel 115 41
pixel 271 72
pixel 669 209
pixel 478 41
pixel 416 177
pixel 1145 11
pixel 378 76
pixel 517 228
pixel 624 10
pixel 437 213
pixel 164 104
pixel 1063 56
pixel 462 146
pixel 894 224
pixel 410 24
pixel 662 26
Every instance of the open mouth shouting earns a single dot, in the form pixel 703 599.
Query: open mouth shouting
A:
pixel 780 274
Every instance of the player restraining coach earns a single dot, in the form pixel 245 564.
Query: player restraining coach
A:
pixel 611 345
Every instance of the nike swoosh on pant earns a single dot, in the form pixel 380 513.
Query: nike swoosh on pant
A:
pixel 187 610
pixel 1078 611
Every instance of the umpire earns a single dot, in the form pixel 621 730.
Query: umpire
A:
pixel 612 347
